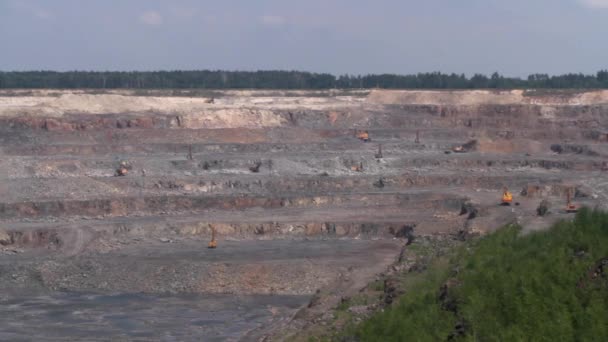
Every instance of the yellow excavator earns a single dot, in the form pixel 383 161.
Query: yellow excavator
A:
pixel 507 196
pixel 362 135
pixel 213 243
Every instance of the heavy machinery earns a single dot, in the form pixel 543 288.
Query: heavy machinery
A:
pixel 256 167
pixel 469 146
pixel 507 197
pixel 570 207
pixel 458 149
pixel 362 135
pixel 213 243
pixel 123 169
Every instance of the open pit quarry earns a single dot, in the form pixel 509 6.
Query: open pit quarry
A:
pixel 299 203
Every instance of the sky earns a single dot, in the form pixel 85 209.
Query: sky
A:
pixel 512 37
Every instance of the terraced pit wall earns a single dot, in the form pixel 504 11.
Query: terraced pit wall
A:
pixel 275 165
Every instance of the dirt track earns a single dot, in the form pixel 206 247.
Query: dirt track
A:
pixel 276 166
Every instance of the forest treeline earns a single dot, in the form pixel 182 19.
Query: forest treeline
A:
pixel 207 79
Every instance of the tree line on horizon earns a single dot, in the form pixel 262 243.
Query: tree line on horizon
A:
pixel 208 79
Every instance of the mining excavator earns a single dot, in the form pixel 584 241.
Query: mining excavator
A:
pixel 256 167
pixel 363 136
pixel 458 149
pixel 570 207
pixel 123 169
pixel 507 197
pixel 213 243
pixel 468 147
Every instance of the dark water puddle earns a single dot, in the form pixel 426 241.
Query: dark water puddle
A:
pixel 139 317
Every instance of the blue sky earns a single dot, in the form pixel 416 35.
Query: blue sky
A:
pixel 514 37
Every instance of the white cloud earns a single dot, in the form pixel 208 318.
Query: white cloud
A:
pixel 272 20
pixel 151 18
pixel 595 3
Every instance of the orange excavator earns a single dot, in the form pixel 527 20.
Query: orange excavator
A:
pixel 213 243
pixel 507 197
pixel 570 207
pixel 363 136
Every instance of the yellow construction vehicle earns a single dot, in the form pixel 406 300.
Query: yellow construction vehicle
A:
pixel 213 242
pixel 363 136
pixel 507 197
pixel 570 207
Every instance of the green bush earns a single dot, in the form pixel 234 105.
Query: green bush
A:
pixel 534 287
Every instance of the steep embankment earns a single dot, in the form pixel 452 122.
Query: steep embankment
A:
pixel 506 287
pixel 485 97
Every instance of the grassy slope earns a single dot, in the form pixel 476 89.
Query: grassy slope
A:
pixel 506 287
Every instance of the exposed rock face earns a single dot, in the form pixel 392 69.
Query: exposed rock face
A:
pixel 484 97
pixel 276 165
pixel 289 155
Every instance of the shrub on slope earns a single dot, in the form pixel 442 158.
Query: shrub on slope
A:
pixel 546 286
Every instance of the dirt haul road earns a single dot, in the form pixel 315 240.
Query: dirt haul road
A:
pixel 299 203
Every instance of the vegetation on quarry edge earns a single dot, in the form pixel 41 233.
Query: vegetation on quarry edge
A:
pixel 278 79
pixel 549 286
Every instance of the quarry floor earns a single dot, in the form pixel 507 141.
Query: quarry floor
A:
pixel 176 290
pixel 305 213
